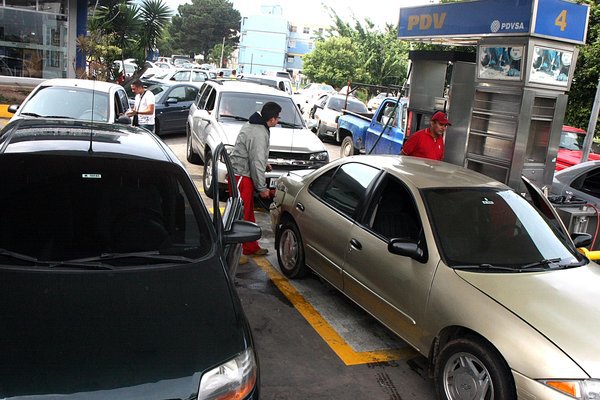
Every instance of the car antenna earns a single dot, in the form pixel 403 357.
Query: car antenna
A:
pixel 90 150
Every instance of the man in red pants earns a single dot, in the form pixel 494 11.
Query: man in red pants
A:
pixel 249 160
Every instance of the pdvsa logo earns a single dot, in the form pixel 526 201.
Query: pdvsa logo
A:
pixel 497 26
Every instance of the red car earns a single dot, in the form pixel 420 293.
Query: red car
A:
pixel 569 148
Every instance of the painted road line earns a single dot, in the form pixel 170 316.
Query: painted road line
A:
pixel 344 351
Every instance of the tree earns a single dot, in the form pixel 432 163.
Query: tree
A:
pixel 201 25
pixel 587 72
pixel 155 16
pixel 334 61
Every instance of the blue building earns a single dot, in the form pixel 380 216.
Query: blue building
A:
pixel 271 42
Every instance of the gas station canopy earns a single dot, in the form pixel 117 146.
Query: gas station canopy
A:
pixel 466 23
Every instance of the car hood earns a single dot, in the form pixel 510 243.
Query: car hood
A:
pixel 281 140
pixel 562 305
pixel 573 157
pixel 138 334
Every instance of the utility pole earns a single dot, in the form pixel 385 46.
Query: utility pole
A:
pixel 222 49
pixel 589 138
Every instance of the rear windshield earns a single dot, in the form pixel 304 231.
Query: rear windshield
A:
pixel 74 208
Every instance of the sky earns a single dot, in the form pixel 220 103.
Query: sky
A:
pixel 378 11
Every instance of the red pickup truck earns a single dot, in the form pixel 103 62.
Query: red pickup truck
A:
pixel 569 148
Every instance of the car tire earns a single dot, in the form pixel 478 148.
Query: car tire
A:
pixel 207 178
pixel 469 368
pixel 347 147
pixel 290 251
pixel 190 154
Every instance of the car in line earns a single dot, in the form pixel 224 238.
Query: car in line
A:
pixel 115 281
pixel 181 75
pixel 172 101
pixel 220 110
pixel 278 82
pixel 75 99
pixel 488 286
pixel 310 93
pixel 570 148
pixel 328 109
pixel 375 101
pixel 579 184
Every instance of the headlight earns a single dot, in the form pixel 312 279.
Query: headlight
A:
pixel 320 156
pixel 584 390
pixel 232 380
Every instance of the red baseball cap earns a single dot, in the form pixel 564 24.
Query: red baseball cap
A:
pixel 441 118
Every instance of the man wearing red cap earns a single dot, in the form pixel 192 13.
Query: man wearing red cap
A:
pixel 428 142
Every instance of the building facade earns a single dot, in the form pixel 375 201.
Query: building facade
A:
pixel 38 37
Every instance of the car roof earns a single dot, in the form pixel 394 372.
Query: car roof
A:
pixel 61 136
pixel 100 86
pixel 424 173
pixel 235 86
pixel 567 128
pixel 577 168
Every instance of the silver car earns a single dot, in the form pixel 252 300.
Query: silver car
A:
pixel 460 266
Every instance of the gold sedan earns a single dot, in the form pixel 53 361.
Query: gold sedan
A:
pixel 458 265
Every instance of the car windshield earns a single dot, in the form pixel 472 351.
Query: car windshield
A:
pixel 571 141
pixel 68 102
pixel 158 91
pixel 93 211
pixel 241 106
pixel 477 227
pixel 339 103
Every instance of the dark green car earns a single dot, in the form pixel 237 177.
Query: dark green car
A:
pixel 115 281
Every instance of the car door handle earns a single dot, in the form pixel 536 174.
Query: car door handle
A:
pixel 355 244
pixel 300 207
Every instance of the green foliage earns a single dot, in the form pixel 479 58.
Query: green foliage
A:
pixel 587 72
pixel 119 29
pixel 201 25
pixel 215 54
pixel 358 52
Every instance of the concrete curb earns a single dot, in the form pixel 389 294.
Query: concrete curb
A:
pixel 4 111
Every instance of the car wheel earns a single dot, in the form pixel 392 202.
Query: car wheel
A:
pixel 207 177
pixel 190 154
pixel 290 251
pixel 470 368
pixel 347 147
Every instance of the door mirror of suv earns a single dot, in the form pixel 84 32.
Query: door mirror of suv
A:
pixel 13 108
pixel 171 100
pixel 242 231
pixel 124 119
pixel 581 239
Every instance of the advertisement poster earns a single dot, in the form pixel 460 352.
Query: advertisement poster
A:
pixel 500 62
pixel 550 66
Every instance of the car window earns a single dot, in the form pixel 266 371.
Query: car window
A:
pixel 387 114
pixel 75 103
pixel 159 91
pixel 198 76
pixel 346 189
pixel 589 182
pixel 93 207
pixel 181 76
pixel 204 97
pixel 491 226
pixel 571 141
pixel 121 102
pixel 356 106
pixel 393 213
pixel 183 93
pixel 243 105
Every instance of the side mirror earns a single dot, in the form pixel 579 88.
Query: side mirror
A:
pixel 407 248
pixel 242 231
pixel 13 108
pixel 171 100
pixel 124 119
pixel 311 123
pixel 581 239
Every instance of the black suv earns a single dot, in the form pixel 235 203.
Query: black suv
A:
pixel 115 281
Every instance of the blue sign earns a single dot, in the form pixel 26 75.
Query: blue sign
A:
pixel 562 19
pixel 557 19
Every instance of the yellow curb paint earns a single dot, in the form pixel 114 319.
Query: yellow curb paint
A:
pixel 4 111
pixel 327 333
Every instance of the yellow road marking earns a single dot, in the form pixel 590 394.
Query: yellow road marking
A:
pixel 344 351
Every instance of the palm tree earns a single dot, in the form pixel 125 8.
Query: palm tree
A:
pixel 154 15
